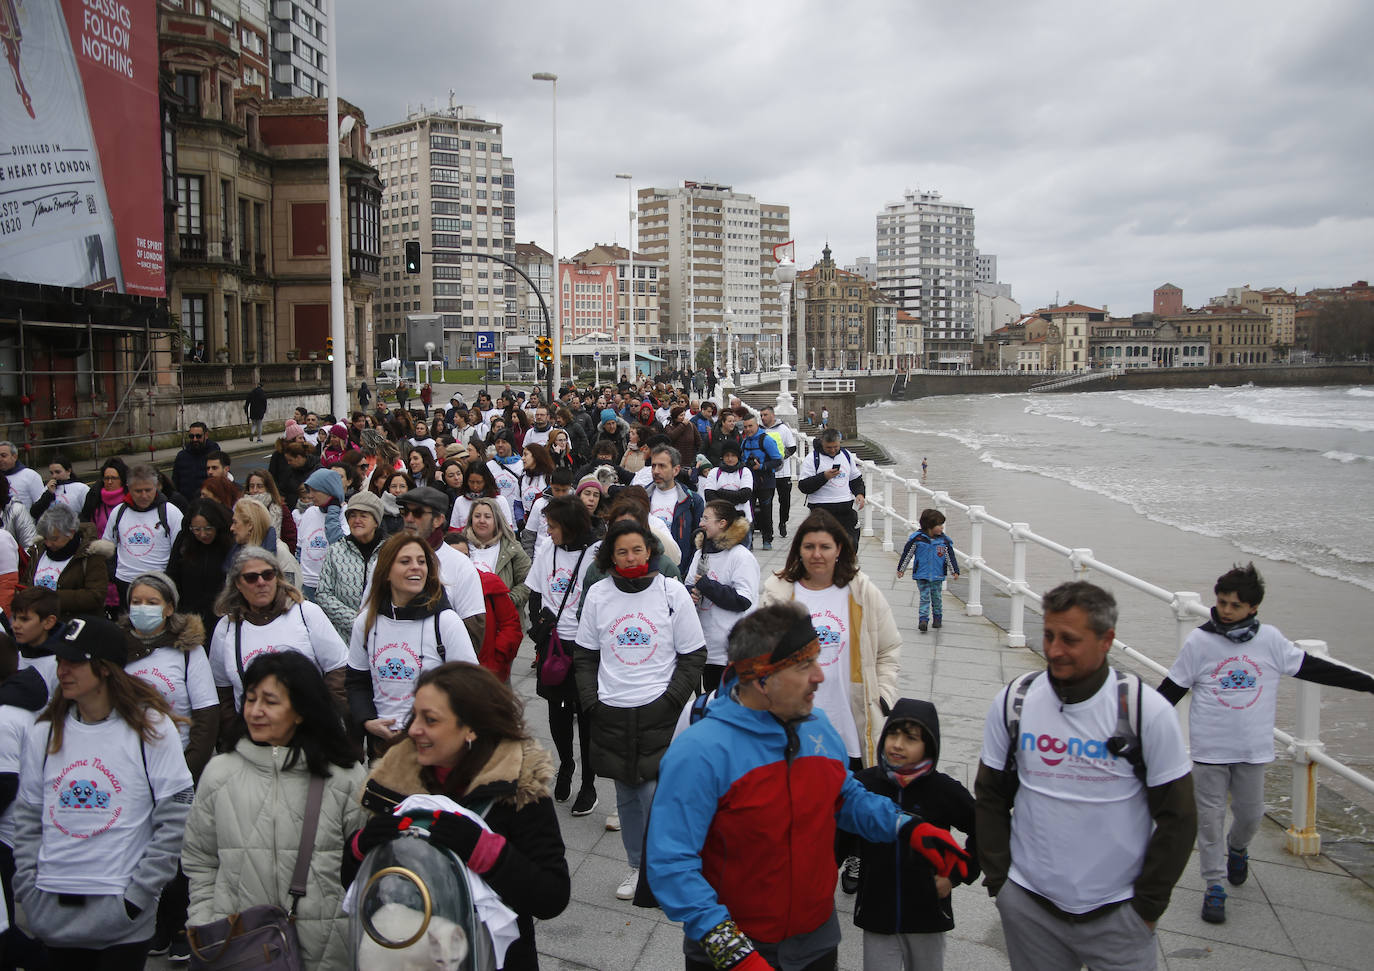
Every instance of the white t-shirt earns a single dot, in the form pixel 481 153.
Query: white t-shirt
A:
pixel 537 524
pixel 15 724
pixel 143 544
pixel 183 678
pixel 837 489
pixel 535 437
pixel 662 502
pixel 737 478
pixel 312 543
pixel 396 652
pixel 46 573
pixel 462 509
pixel 639 636
pixel 531 488
pixel 26 485
pixel 96 801
pixel 1082 822
pixel 46 666
pixel 644 478
pixel 484 557
pixel 736 568
pixel 461 583
pixel 829 610
pixel 72 494
pixel 550 576
pixel 312 438
pixel 426 443
pixel 303 628
pixel 507 479
pixel 786 439
pixel 1235 690
pixel 9 560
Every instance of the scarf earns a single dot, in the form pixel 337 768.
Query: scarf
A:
pixel 66 552
pixel 637 580
pixel 508 459
pixel 1237 633
pixel 904 775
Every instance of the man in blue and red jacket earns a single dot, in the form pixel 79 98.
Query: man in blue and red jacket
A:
pixel 747 805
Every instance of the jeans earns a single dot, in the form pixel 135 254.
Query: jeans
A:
pixel 255 429
pixel 784 502
pixel 1245 782
pixel 1037 940
pixel 633 802
pixel 932 598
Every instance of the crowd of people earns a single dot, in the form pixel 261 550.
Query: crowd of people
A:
pixel 189 661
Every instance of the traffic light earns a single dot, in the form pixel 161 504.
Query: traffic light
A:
pixel 412 256
pixel 544 348
pixel 329 348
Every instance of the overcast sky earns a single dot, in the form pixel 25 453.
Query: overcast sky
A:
pixel 1105 148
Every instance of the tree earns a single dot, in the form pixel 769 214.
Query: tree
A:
pixel 706 352
pixel 1344 328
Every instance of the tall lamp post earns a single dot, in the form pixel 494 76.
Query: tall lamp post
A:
pixel 786 274
pixel 630 273
pixel 557 363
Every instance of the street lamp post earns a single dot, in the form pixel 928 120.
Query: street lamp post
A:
pixel 786 274
pixel 630 272
pixel 557 363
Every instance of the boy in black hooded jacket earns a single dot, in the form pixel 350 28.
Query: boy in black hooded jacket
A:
pixel 903 905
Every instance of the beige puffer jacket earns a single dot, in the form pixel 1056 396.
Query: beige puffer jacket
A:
pixel 243 835
pixel 874 667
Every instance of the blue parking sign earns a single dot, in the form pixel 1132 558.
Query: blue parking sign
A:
pixel 486 340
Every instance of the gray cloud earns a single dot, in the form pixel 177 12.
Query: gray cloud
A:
pixel 1105 148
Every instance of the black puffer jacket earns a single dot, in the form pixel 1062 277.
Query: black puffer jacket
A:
pixel 897 893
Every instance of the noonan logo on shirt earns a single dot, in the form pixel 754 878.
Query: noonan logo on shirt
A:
pixel 86 801
pixel 1054 750
pixel 635 639
pixel 1236 682
pixel 139 540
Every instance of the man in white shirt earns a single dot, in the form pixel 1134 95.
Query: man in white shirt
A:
pixel 26 485
pixel 787 445
pixel 539 434
pixel 425 513
pixel 143 531
pixel 830 479
pixel 1104 819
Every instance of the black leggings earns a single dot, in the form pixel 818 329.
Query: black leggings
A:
pixel 564 708
pixel 121 957
pixel 710 678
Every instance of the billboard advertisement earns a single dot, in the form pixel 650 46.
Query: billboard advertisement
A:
pixel 80 155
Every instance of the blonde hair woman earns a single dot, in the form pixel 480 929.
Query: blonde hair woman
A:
pixel 251 526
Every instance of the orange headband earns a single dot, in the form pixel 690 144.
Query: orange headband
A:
pixel 754 668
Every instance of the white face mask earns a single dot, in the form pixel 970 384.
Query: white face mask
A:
pixel 146 618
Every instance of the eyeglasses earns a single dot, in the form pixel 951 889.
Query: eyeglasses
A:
pixel 414 512
pixel 195 438
pixel 203 530
pixel 266 576
pixel 109 478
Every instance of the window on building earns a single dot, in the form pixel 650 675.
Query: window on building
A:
pixel 189 210
pixel 193 316
pixel 188 88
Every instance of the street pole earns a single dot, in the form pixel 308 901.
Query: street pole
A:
pixel 338 376
pixel 630 272
pixel 555 366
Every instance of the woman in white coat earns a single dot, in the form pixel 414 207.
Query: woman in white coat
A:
pixel 723 580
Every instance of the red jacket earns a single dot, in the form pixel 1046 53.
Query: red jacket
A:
pixel 502 639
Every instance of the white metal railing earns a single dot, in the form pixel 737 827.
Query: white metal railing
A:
pixel 1080 377
pixel 1304 746
pixel 830 386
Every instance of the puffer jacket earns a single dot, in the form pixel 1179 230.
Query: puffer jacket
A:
pixel 343 577
pixel 82 584
pixel 530 873
pixel 874 667
pixel 243 835
pixel 15 517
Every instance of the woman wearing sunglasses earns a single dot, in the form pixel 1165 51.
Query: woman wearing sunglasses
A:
pixel 262 613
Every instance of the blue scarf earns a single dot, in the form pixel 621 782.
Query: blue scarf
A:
pixel 904 775
pixel 1238 633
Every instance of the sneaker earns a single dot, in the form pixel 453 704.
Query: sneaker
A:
pixel 562 788
pixel 180 950
pixel 768 544
pixel 1214 904
pixel 626 890
pixel 937 623
pixel 585 802
pixel 613 823
pixel 161 941
pixel 849 874
pixel 923 626
pixel 1237 866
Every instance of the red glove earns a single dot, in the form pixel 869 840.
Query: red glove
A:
pixel 941 850
pixel 753 962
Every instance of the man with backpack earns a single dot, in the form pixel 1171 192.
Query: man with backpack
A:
pixel 1096 766
pixel 143 530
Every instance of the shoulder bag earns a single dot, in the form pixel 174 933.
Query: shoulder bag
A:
pixel 261 937
pixel 555 661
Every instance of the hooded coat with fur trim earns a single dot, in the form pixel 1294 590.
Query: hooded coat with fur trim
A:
pixel 531 872
pixel 85 576
pixel 185 633
pixel 726 574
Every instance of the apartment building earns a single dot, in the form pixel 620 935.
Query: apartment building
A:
pixel 446 183
pixel 1236 335
pixel 300 47
pixel 593 308
pixel 537 263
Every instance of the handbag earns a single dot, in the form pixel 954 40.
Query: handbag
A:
pixel 555 662
pixel 261 937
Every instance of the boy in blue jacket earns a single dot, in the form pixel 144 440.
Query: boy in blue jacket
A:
pixel 904 904
pixel 934 557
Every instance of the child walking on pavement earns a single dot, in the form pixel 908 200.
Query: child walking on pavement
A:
pixel 903 904
pixel 933 558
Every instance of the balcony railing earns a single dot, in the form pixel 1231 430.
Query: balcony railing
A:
pixel 192 246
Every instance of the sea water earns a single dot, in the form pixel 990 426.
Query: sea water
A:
pixel 1175 486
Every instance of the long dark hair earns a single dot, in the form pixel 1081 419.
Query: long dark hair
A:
pixel 820 521
pixel 381 598
pixel 479 700
pixel 216 515
pixel 320 738
pixel 605 553
pixel 543 465
pixel 427 462
pixel 488 480
pixel 571 517
pixel 133 700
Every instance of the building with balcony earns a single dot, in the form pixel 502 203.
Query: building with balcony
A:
pixel 850 324
pixel 1235 335
pixel 446 183
pixel 1144 342
pixel 300 47
pixel 715 246
pixel 583 316
pixel 537 263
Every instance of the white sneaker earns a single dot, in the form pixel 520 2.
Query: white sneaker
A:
pixel 613 823
pixel 626 890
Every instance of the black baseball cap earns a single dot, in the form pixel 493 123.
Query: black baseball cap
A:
pixel 89 639
pixel 425 497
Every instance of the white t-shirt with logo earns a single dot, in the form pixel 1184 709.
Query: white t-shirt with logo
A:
pixel 829 609
pixel 837 489
pixel 735 568
pixel 304 628
pixel 507 480
pixel 95 799
pixel 644 478
pixel 71 494
pixel 143 544
pixel 1235 690
pixel 639 636
pixel 47 572
pixel 183 678
pixel 537 524
pixel 484 557
pixel 397 652
pixel 313 544
pixel 662 503
pixel 15 725
pixel 531 488
pixel 1082 822
pixel 737 478
pixel 550 576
